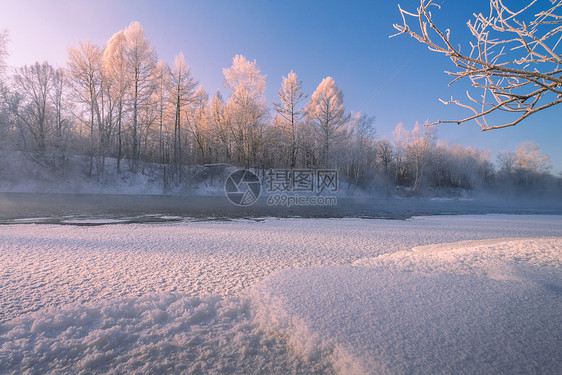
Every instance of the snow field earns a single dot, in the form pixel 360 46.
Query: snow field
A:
pixel 162 333
pixel 283 296
pixel 482 307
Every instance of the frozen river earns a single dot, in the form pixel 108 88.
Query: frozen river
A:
pixel 56 208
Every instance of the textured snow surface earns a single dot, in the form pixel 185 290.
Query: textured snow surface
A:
pixel 476 294
pixel 488 307
pixel 155 334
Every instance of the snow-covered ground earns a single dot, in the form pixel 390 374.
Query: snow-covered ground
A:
pixel 442 294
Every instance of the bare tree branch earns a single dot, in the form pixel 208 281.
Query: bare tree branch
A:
pixel 514 61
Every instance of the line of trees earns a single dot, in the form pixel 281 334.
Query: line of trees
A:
pixel 119 103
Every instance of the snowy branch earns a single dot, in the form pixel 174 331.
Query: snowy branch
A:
pixel 514 61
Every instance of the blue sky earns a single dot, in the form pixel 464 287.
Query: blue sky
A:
pixel 343 39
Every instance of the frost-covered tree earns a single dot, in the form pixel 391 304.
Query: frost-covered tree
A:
pixel 4 91
pixel 400 136
pixel 37 110
pixel 246 109
pixel 326 113
pixel 362 152
pixel 290 114
pixel 385 152
pixel 198 125
pixel 162 95
pixel 416 147
pixel 418 151
pixel 506 161
pixel 85 75
pixel 58 100
pixel 140 58
pixel 115 71
pixel 3 50
pixel 108 122
pixel 530 157
pixel 35 83
pixel 182 86
pixel 220 129
pixel 61 106
pixel 525 166
pixel 455 166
